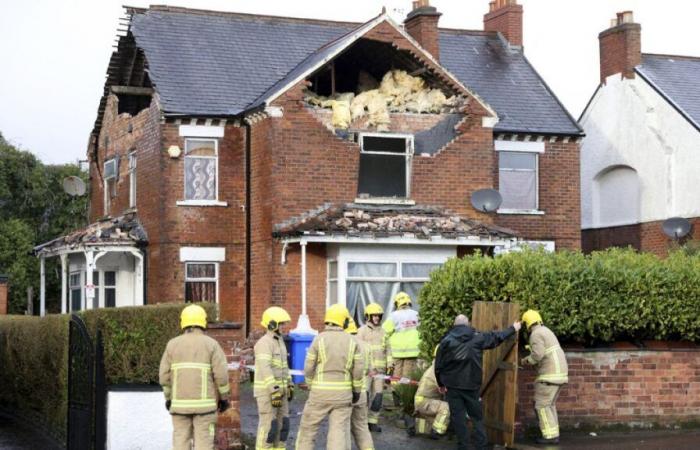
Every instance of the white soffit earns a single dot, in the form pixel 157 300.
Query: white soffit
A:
pixel 519 146
pixel 208 254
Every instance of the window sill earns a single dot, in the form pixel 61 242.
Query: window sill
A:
pixel 384 201
pixel 520 212
pixel 200 203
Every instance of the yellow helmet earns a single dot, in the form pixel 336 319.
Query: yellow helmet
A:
pixel 373 309
pixel 337 315
pixel 531 317
pixel 193 316
pixel 401 299
pixel 352 326
pixel 273 317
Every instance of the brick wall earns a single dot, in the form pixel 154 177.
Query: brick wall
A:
pixel 620 50
pixel 639 388
pixel 422 25
pixel 507 18
pixel 4 307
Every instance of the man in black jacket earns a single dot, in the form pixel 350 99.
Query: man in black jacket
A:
pixel 458 371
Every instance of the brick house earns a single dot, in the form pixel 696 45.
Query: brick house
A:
pixel 639 161
pixel 215 145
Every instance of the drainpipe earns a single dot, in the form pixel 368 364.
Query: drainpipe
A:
pixel 303 324
pixel 248 239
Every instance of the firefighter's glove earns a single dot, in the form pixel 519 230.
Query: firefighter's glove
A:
pixel 224 405
pixel 290 392
pixel 167 405
pixel 276 398
pixel 355 397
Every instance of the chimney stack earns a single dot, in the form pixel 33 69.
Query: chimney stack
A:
pixel 422 25
pixel 506 17
pixel 620 47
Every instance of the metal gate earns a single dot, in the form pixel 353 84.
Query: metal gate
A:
pixel 86 404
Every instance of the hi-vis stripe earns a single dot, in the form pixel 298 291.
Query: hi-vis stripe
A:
pixel 558 375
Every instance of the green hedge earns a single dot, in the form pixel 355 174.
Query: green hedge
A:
pixel 589 299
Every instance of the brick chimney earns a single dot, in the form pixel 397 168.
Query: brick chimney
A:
pixel 620 47
pixel 422 25
pixel 506 17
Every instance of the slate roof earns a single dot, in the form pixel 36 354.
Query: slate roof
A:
pixel 380 221
pixel 222 64
pixel 677 78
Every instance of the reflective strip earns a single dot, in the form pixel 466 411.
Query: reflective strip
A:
pixel 225 389
pixel 551 349
pixel 263 357
pixel 322 359
pixel 205 383
pixel 421 425
pixel 552 377
pixel 332 385
pixel 193 403
pixel 174 384
pixel 405 353
pixel 190 366
pixel 418 400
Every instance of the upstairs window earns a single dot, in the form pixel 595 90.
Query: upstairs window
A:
pixel 110 172
pixel 132 180
pixel 518 180
pixel 201 169
pixel 385 166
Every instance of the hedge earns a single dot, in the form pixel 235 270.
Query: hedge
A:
pixel 34 356
pixel 589 299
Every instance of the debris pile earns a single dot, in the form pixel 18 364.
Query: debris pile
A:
pixel 398 92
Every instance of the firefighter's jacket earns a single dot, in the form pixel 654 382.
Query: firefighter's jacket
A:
pixel 428 387
pixel 193 371
pixel 334 367
pixel 402 333
pixel 548 356
pixel 374 338
pixel 366 363
pixel 271 369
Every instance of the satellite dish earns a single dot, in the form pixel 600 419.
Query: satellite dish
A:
pixel 676 227
pixel 74 186
pixel 487 200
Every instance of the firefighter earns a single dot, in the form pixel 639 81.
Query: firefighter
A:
pixel 429 403
pixel 372 334
pixel 358 421
pixel 333 370
pixel 193 372
pixel 273 388
pixel 402 331
pixel 552 373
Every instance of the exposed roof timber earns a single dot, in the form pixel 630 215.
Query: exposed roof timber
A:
pixel 131 90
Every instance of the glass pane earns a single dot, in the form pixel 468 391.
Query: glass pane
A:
pixel 200 178
pixel 110 278
pixel 201 270
pixel 110 297
pixel 75 299
pixel 383 144
pixel 372 270
pixel 413 290
pixel 110 169
pixel 74 280
pixel 200 147
pixel 333 269
pixel 360 294
pixel 517 160
pixel 95 278
pixel 333 292
pixel 199 291
pixel 96 299
pixel 417 270
pixel 382 175
pixel 518 189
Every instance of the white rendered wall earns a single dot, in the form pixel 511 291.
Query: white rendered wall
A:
pixel 629 124
pixel 138 420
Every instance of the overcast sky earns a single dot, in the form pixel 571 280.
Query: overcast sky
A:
pixel 54 53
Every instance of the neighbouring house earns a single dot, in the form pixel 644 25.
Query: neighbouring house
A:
pixel 253 160
pixel 639 160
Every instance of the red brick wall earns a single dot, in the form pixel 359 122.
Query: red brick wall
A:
pixel 620 50
pixel 508 20
pixel 3 296
pixel 623 387
pixel 423 27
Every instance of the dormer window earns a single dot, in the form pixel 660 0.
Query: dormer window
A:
pixel 385 166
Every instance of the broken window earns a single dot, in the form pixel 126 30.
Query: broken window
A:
pixel 111 170
pixel 385 166
pixel 518 180
pixel 132 180
pixel 201 281
pixel 201 169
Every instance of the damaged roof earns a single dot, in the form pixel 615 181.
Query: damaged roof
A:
pixel 370 221
pixel 677 79
pixel 125 230
pixel 221 64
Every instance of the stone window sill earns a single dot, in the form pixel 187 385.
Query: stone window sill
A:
pixel 200 203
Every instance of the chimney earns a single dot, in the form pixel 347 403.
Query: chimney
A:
pixel 506 17
pixel 422 25
pixel 620 47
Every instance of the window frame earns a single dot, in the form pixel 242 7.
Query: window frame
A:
pixel 193 201
pixel 330 280
pixel 132 179
pixel 109 194
pixel 79 287
pixel 203 280
pixel 536 209
pixel 408 155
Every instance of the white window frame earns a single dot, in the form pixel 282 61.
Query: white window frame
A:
pixel 329 280
pixel 193 202
pixel 215 279
pixel 530 151
pixel 103 286
pixel 107 201
pixel 410 149
pixel 80 287
pixel 132 179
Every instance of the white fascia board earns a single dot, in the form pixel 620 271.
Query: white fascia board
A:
pixel 203 131
pixel 519 146
pixel 208 254
pixel 474 241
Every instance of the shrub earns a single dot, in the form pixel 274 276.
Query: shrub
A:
pixel 598 298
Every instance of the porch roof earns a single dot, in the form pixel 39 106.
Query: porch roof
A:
pixel 388 221
pixel 124 230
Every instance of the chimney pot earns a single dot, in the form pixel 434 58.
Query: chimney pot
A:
pixel 422 25
pixel 506 17
pixel 620 47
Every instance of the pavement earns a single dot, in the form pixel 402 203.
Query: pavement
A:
pixel 394 438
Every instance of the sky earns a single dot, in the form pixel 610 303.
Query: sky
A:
pixel 54 53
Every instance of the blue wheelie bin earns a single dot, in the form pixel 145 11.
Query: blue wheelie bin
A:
pixel 299 343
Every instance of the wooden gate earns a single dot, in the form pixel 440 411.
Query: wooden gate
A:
pixel 499 387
